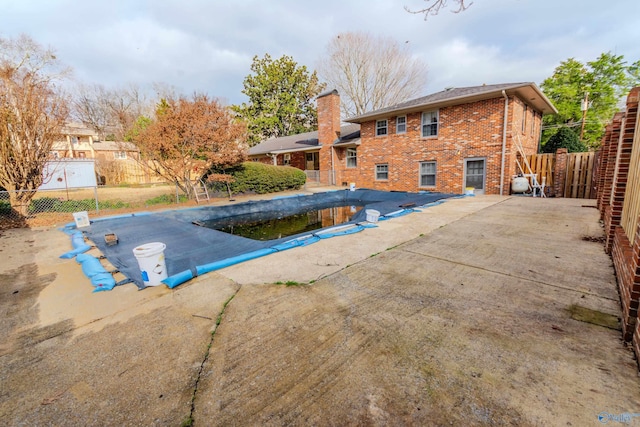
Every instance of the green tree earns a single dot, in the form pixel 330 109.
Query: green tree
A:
pixel 281 97
pixel 564 138
pixel 604 81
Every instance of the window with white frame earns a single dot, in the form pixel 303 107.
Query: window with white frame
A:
pixel 401 124
pixel 430 123
pixel 533 123
pixel 382 172
pixel 381 127
pixel 286 159
pixel 524 118
pixel 427 174
pixel 120 155
pixel 352 158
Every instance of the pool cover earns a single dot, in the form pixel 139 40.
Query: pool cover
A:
pixel 193 250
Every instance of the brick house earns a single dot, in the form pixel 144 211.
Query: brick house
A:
pixel 445 142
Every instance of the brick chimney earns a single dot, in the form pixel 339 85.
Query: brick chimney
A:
pixel 328 116
pixel 328 131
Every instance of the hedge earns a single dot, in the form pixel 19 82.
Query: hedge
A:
pixel 260 178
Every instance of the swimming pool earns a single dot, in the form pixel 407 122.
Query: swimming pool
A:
pixel 192 250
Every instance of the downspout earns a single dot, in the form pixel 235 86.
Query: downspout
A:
pixel 333 171
pixel 504 140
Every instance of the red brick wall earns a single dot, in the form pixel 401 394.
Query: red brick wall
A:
pixel 328 130
pixel 615 150
pixel 297 160
pixel 465 131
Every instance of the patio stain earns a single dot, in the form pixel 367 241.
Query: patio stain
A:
pixel 594 317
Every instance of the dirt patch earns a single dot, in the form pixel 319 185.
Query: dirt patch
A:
pixel 595 239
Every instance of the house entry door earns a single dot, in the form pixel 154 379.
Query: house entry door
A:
pixel 313 161
pixel 474 174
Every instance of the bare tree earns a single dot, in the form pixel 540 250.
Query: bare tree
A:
pixel 90 107
pixel 110 111
pixel 189 137
pixel 434 6
pixel 371 72
pixel 33 111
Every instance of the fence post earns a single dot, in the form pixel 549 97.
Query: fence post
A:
pixel 95 194
pixel 560 172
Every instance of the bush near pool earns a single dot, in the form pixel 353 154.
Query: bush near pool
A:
pixel 254 177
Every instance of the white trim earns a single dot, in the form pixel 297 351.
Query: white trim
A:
pixel 405 124
pixel 420 174
pixel 386 127
pixel 347 157
pixel 484 174
pixel 376 172
pixel 423 124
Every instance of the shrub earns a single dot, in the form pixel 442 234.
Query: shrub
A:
pixel 51 204
pixel 166 199
pixel 5 207
pixel 254 177
pixel 564 138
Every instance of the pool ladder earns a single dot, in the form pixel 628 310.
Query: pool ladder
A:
pixel 200 191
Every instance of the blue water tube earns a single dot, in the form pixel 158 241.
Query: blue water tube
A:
pixel 305 240
pixel 178 279
pixel 77 241
pixel 339 231
pixel 436 203
pixel 100 278
pixel 396 214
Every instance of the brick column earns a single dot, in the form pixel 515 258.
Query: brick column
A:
pixel 610 216
pixel 602 161
pixel 560 172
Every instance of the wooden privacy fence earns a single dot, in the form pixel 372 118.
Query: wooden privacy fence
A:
pixel 543 165
pixel 631 204
pixel 577 173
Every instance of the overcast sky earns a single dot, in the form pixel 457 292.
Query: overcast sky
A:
pixel 207 46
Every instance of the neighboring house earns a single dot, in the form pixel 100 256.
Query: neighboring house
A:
pixel 116 162
pixel 447 141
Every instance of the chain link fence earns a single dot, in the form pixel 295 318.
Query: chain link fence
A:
pixel 56 207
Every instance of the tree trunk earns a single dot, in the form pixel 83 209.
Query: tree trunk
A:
pixel 20 201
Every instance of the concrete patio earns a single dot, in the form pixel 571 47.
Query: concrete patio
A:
pixel 479 311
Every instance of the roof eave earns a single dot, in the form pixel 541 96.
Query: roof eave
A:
pixel 543 104
pixel 286 150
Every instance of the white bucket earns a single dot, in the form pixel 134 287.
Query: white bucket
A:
pixel 372 215
pixel 150 258
pixel 81 219
pixel 352 186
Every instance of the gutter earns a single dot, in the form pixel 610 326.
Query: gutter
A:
pixel 504 140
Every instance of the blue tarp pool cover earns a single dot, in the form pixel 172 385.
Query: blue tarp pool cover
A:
pixel 192 250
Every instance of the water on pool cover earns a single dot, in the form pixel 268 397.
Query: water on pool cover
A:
pixel 276 228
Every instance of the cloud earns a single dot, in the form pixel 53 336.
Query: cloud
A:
pixel 207 46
